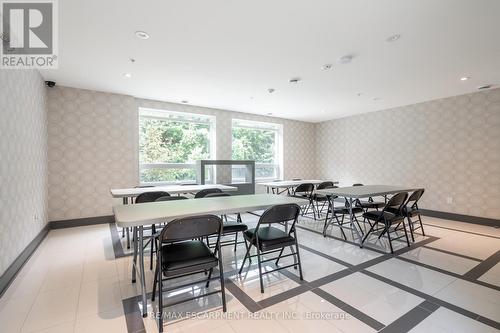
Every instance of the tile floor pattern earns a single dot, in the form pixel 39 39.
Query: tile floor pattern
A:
pixel 79 281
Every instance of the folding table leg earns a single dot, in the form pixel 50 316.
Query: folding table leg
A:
pixel 142 272
pixel 134 261
pixel 351 215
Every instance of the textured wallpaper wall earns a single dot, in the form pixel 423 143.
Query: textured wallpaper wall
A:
pixel 450 146
pixel 93 146
pixel 23 161
pixel 93 139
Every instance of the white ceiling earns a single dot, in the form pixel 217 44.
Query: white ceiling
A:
pixel 226 54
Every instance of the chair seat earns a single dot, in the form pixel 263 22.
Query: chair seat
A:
pixel 346 211
pixel 320 197
pixel 413 212
pixel 383 216
pixel 299 195
pixel 270 237
pixel 372 205
pixel 230 227
pixel 186 257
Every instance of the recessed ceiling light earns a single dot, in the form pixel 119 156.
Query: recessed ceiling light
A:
pixel 294 80
pixel 128 75
pixel 464 78
pixel 393 38
pixel 184 101
pixel 270 90
pixel 327 67
pixel 142 35
pixel 486 86
pixel 346 59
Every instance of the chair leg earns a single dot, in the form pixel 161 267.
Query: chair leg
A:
pixel 246 255
pixel 222 286
pixel 410 224
pixel 155 282
pixel 128 238
pixel 421 224
pixel 357 223
pixel 325 226
pixel 294 258
pixel 390 241
pixel 406 232
pixel 260 271
pixel 209 276
pixel 160 302
pixel 235 241
pixel 368 233
pixel 341 223
pixel 279 257
pixel 153 243
pixel 298 258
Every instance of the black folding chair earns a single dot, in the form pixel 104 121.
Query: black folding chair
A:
pixel 391 218
pixel 155 232
pixel 321 198
pixel 333 213
pixel 229 227
pixel 305 191
pixel 269 239
pixel 182 256
pixel 411 210
pixel 205 192
pixel 128 229
pixel 149 197
pixel 370 204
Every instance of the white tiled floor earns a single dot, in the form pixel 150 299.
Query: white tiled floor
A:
pixel 492 276
pixel 413 276
pixel 448 262
pixel 377 299
pixel 73 283
pixel 446 321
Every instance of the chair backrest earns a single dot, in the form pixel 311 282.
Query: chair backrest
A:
pixel 324 185
pixel 396 203
pixel 169 198
pixel 215 195
pixel 414 198
pixel 203 193
pixel 358 184
pixel 280 213
pixel 150 196
pixel 191 227
pixel 307 188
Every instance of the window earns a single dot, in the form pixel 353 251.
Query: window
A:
pixel 261 142
pixel 171 142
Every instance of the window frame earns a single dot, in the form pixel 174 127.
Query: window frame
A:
pixel 176 116
pixel 259 125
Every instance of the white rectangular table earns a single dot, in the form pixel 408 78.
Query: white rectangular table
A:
pixel 288 184
pixel 139 215
pixel 172 189
pixel 352 193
